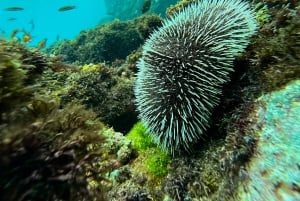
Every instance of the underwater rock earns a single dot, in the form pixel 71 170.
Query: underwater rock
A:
pixel 273 171
pixel 110 96
pixel 108 42
pixel 276 53
pixel 55 153
pixel 124 154
pixel 128 9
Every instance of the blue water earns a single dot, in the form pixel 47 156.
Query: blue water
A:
pixel 42 19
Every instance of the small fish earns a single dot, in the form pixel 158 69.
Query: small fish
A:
pixel 14 9
pixel 2 32
pixel 57 37
pixel 32 25
pixel 42 44
pixel 146 6
pixel 26 37
pixel 11 19
pixel 66 8
pixel 14 33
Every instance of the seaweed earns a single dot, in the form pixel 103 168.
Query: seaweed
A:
pixel 276 50
pixel 47 152
pixel 154 158
pixel 109 95
pixel 53 156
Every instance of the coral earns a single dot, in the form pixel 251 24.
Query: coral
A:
pixel 183 67
pixel 273 171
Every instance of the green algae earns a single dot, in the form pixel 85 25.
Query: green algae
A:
pixel 156 160
pixel 262 14
pixel 139 137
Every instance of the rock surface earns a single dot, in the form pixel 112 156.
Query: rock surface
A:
pixel 273 173
pixel 128 9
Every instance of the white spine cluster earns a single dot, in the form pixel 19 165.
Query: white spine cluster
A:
pixel 184 65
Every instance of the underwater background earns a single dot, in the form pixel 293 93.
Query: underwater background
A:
pixel 164 100
pixel 43 20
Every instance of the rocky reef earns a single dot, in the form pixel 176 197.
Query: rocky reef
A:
pixel 273 171
pixel 107 91
pixel 107 42
pixel 57 121
pixel 43 148
pixel 127 10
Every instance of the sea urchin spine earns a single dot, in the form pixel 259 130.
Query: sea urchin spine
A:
pixel 184 65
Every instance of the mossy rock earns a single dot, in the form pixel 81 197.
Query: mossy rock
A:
pixel 107 42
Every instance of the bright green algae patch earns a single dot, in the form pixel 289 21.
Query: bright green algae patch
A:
pixel 139 137
pixel 157 163
pixel 156 160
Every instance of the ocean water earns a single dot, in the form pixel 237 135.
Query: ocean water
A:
pixel 42 20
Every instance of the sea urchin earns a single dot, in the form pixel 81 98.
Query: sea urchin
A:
pixel 184 65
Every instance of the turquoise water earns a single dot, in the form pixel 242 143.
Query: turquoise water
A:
pixel 42 20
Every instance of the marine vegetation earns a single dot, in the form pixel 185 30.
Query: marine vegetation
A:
pixel 46 152
pixel 148 167
pixel 139 137
pixel 50 157
pixel 109 95
pixel 156 160
pixel 276 50
pixel 53 147
pixel 184 65
pixel 262 14
pixel 107 42
pixel 19 68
